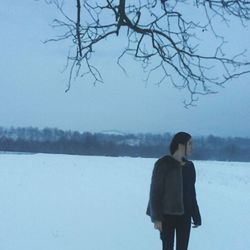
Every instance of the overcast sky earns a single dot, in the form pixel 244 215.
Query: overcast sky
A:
pixel 33 86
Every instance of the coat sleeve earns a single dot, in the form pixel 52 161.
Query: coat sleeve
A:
pixel 154 209
pixel 196 217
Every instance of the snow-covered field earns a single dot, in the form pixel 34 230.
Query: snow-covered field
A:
pixel 62 202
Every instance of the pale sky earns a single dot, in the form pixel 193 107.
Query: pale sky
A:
pixel 33 86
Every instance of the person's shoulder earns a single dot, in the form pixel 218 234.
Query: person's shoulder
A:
pixel 190 167
pixel 164 159
pixel 164 164
pixel 189 163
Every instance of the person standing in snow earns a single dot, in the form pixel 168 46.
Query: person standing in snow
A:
pixel 172 203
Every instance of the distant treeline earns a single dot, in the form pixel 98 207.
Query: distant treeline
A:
pixel 50 140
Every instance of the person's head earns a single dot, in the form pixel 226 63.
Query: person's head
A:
pixel 181 141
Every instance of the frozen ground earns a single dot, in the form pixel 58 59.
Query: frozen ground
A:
pixel 61 202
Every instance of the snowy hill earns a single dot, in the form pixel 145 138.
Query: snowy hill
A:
pixel 63 202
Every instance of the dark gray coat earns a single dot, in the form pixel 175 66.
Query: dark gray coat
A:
pixel 166 190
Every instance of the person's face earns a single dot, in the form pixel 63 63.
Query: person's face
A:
pixel 189 147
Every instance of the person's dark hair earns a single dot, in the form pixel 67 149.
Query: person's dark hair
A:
pixel 179 138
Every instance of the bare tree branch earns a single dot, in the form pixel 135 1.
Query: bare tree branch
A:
pixel 78 25
pixel 160 36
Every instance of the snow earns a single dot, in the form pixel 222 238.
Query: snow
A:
pixel 63 202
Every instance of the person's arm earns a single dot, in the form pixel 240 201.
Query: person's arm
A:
pixel 156 193
pixel 158 225
pixel 196 217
